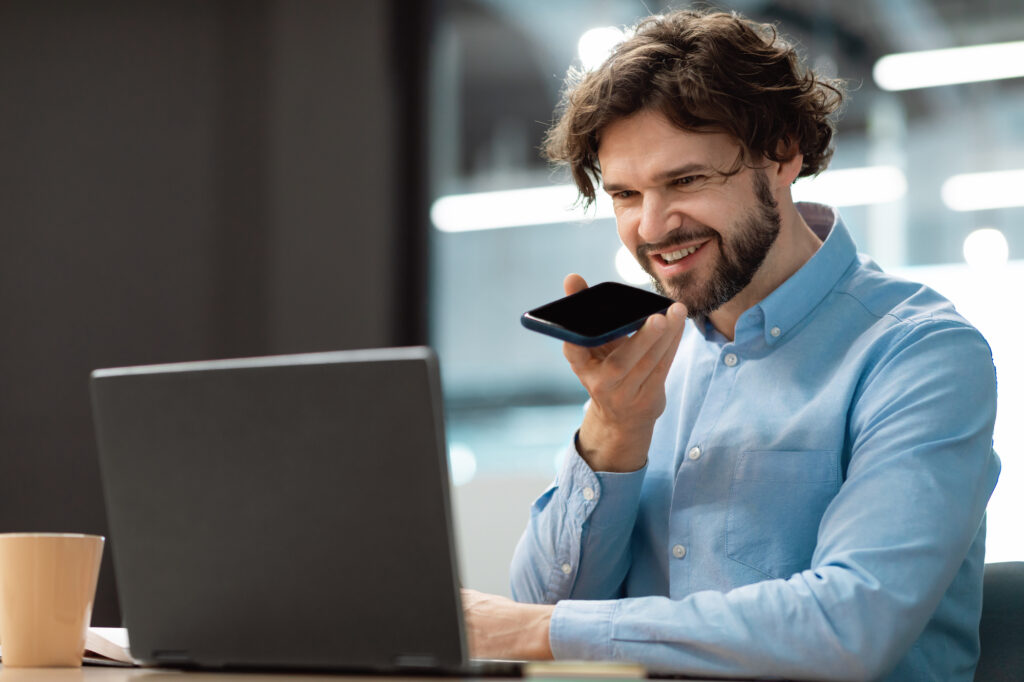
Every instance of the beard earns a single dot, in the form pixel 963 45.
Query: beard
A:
pixel 740 256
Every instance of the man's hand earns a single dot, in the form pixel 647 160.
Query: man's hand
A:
pixel 501 628
pixel 626 382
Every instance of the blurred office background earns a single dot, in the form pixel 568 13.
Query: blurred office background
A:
pixel 188 179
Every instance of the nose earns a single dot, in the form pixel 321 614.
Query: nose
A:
pixel 657 218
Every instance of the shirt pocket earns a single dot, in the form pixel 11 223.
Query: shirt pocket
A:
pixel 776 501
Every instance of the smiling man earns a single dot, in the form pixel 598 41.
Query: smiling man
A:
pixel 792 482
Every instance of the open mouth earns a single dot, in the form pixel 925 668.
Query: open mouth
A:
pixel 672 257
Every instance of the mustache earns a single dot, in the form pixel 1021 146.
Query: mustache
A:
pixel 676 236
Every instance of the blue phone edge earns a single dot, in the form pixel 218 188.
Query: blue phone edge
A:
pixel 543 327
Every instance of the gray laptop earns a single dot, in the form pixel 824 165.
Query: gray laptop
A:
pixel 283 512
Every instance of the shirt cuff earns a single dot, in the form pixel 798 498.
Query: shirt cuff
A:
pixel 582 630
pixel 583 488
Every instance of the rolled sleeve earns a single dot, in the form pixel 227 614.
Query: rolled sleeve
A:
pixel 560 556
pixel 582 630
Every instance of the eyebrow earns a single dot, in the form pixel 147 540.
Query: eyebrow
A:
pixel 685 169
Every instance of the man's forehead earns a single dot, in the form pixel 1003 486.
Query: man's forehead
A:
pixel 651 144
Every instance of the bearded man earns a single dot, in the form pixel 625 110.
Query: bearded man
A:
pixel 786 474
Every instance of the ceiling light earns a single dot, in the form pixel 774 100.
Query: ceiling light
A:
pixel 596 44
pixel 929 68
pixel 853 186
pixel 515 208
pixel 986 248
pixel 980 191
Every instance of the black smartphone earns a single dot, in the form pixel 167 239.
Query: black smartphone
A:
pixel 596 315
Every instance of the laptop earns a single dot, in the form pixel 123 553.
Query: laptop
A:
pixel 286 512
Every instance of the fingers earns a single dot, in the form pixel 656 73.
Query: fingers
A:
pixel 573 283
pixel 631 377
pixel 578 356
pixel 654 343
pixel 648 352
pixel 666 347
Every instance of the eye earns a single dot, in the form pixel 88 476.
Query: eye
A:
pixel 624 194
pixel 687 180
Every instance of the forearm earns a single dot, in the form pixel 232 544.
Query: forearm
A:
pixel 612 447
pixel 770 629
pixel 825 624
pixel 500 628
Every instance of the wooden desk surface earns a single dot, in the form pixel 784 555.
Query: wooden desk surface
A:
pixel 111 674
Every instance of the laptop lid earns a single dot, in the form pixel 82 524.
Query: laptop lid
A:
pixel 288 511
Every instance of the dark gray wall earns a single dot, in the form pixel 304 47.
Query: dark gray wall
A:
pixel 186 180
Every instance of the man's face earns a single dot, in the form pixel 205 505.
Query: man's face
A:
pixel 699 234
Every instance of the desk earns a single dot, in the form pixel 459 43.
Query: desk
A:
pixel 111 674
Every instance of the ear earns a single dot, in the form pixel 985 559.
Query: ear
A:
pixel 789 168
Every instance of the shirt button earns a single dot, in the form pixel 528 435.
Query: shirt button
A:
pixel 566 568
pixel 694 453
pixel 731 359
pixel 679 551
pixel 588 493
pixel 775 331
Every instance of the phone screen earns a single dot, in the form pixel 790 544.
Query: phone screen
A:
pixel 596 315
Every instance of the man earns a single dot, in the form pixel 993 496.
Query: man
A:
pixel 792 483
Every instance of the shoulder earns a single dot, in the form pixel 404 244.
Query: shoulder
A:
pixel 900 310
pixel 920 353
pixel 906 333
pixel 885 295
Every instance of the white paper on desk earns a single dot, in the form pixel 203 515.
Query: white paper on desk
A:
pixel 105 645
pixel 108 643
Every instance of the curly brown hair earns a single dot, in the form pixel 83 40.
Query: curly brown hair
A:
pixel 705 72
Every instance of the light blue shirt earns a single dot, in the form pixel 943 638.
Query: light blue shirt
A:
pixel 813 501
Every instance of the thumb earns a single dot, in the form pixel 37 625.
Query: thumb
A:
pixel 573 283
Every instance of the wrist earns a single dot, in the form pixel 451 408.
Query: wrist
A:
pixel 537 643
pixel 612 447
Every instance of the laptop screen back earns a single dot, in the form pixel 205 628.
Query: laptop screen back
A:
pixel 288 511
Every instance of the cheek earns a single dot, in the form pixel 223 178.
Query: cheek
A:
pixel 627 234
pixel 708 206
pixel 627 225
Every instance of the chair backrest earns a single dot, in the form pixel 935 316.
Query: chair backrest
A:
pixel 1002 624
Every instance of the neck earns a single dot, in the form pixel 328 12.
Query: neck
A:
pixel 793 247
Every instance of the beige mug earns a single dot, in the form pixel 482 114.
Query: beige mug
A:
pixel 47 587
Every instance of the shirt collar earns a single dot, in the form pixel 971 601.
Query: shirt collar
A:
pixel 780 311
pixel 795 298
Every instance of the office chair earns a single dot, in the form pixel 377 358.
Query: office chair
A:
pixel 1002 624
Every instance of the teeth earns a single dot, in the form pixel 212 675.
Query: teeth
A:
pixel 676 255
